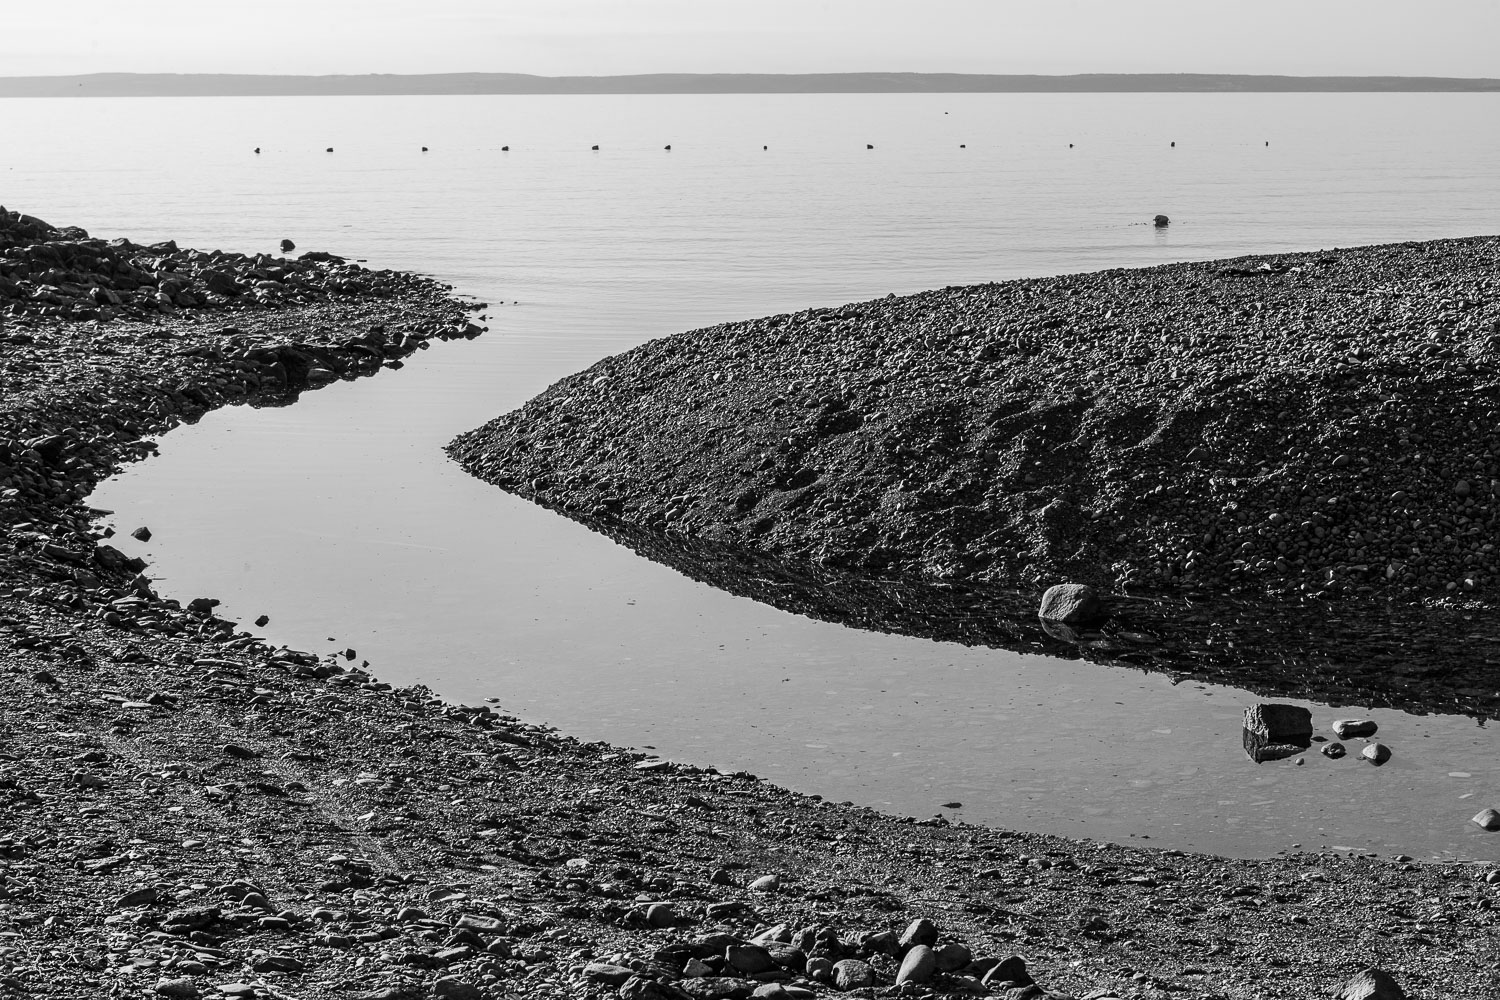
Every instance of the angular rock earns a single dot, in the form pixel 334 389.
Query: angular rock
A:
pixel 1009 970
pixel 1487 819
pixel 1376 753
pixel 1274 731
pixel 919 931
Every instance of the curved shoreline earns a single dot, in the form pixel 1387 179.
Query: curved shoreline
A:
pixel 1316 424
pixel 188 809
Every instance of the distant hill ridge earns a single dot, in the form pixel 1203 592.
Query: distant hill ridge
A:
pixel 248 85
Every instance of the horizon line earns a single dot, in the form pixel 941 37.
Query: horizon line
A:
pixel 131 84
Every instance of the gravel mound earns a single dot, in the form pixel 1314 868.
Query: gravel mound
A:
pixel 1324 423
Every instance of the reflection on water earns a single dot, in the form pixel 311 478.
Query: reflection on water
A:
pixel 1418 659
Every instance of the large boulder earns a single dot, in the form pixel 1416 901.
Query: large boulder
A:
pixel 1273 732
pixel 1371 984
pixel 1072 604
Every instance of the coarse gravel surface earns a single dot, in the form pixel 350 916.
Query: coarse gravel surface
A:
pixel 187 812
pixel 1313 424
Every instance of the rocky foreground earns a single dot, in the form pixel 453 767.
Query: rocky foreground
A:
pixel 1319 424
pixel 185 812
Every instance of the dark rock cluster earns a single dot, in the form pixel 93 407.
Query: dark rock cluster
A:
pixel 48 271
pixel 1322 423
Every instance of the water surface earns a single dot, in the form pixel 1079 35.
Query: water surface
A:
pixel 339 517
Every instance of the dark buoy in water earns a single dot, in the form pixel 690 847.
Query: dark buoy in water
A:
pixel 668 147
pixel 1268 142
pixel 257 150
pixel 595 148
pixel 328 150
pixel 868 146
pixel 1070 145
pixel 765 147
pixel 1174 145
pixel 287 246
pixel 505 149
pixel 1161 221
pixel 424 149
pixel 962 145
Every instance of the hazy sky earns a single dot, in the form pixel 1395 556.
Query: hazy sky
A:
pixel 588 37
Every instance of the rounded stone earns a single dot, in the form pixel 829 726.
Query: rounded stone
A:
pixel 918 965
pixel 1072 604
pixel 852 974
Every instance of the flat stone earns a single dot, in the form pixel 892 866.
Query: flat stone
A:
pixel 771 991
pixel 751 959
pixel 178 989
pixel 604 972
pixel 718 988
pixel 137 897
pixel 452 988
pixel 1346 729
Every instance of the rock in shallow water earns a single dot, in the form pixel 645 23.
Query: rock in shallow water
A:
pixel 1072 604
pixel 1350 728
pixel 1274 732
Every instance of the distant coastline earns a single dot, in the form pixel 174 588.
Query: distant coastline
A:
pixel 246 85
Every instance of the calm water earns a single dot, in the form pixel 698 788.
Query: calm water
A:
pixel 339 517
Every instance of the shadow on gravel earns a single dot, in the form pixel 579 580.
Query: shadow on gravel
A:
pixel 1420 660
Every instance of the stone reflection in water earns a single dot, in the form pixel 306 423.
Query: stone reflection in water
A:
pixel 1276 732
pixel 1418 659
